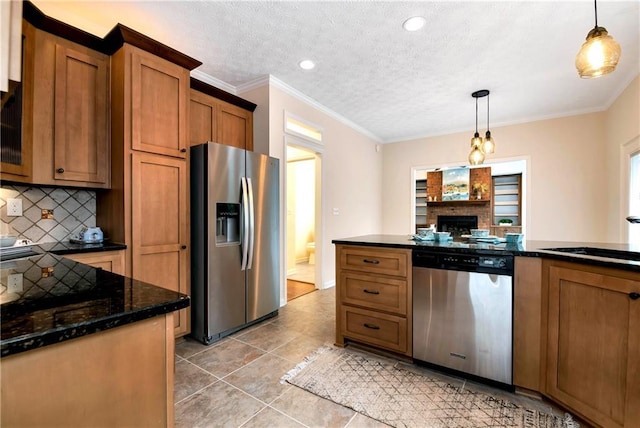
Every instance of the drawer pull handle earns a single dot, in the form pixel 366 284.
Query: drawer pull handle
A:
pixel 634 296
pixel 183 150
pixel 371 291
pixel 373 262
pixel 60 170
pixel 371 326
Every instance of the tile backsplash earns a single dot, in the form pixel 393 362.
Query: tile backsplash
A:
pixel 73 209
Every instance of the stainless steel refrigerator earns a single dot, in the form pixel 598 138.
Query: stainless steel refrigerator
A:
pixel 235 232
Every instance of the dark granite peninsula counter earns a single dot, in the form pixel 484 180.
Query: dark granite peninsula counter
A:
pixel 623 256
pixel 576 308
pixel 90 347
pixel 66 247
pixel 50 299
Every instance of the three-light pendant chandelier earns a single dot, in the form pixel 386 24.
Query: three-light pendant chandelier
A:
pixel 481 146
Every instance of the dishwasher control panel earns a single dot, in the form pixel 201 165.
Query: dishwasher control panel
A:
pixel 467 262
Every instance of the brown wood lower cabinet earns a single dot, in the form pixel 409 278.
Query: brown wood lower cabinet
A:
pixel 373 297
pixel 119 377
pixel 159 200
pixel 593 344
pixel 112 261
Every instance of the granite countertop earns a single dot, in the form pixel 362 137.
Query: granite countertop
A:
pixel 527 248
pixel 60 299
pixel 67 247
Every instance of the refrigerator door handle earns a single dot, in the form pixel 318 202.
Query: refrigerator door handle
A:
pixel 245 223
pixel 252 213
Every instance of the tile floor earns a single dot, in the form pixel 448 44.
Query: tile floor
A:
pixel 235 382
pixel 304 272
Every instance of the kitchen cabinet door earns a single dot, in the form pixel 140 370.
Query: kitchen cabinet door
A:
pixel 81 119
pixel 593 346
pixel 159 225
pixel 211 119
pixel 65 114
pixel 202 118
pixel 159 105
pixel 235 126
pixel 112 261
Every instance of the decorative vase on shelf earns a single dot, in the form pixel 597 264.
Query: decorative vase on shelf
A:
pixel 479 195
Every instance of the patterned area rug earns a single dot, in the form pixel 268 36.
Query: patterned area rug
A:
pixel 402 398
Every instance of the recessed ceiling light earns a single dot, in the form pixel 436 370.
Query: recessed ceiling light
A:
pixel 414 23
pixel 306 64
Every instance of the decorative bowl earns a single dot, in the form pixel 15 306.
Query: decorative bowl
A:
pixel 424 232
pixel 479 233
pixel 513 238
pixel 442 236
pixel 7 240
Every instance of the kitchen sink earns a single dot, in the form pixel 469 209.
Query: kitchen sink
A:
pixel 599 252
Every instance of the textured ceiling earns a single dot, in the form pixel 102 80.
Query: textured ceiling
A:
pixel 393 84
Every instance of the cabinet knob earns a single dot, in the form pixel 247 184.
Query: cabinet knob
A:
pixel 60 170
pixel 183 150
pixel 183 247
pixel 634 296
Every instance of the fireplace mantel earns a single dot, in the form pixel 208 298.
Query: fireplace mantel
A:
pixel 459 203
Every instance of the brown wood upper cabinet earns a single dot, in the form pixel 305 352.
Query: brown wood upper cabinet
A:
pixel 159 97
pixel 65 113
pixel 593 345
pixel 215 120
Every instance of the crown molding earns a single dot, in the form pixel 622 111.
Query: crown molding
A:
pixel 203 77
pixel 289 90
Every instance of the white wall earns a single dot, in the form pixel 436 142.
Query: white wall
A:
pixel 351 175
pixel 622 130
pixel 567 189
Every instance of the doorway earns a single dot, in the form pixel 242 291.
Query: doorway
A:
pixel 301 220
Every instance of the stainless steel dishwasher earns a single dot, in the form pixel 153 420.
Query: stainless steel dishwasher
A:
pixel 463 312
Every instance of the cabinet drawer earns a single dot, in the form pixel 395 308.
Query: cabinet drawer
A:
pixel 375 292
pixel 383 261
pixel 385 331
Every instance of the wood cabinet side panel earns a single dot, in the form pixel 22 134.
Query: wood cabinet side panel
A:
pixel 118 377
pixel 527 317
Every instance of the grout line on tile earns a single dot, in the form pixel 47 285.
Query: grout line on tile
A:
pixel 289 416
pixel 196 392
pixel 252 416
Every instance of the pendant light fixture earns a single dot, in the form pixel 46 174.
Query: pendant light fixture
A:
pixel 599 54
pixel 489 145
pixel 476 157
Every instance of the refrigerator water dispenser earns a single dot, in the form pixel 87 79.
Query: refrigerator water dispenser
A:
pixel 227 223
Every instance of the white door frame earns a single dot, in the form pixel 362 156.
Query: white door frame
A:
pixel 627 150
pixel 319 199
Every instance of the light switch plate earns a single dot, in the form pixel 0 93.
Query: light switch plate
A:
pixel 14 207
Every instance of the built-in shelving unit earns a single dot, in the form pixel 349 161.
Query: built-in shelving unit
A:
pixel 506 202
pixel 421 202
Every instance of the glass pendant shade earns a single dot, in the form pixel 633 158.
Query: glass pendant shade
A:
pixel 476 157
pixel 476 141
pixel 489 145
pixel 598 55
